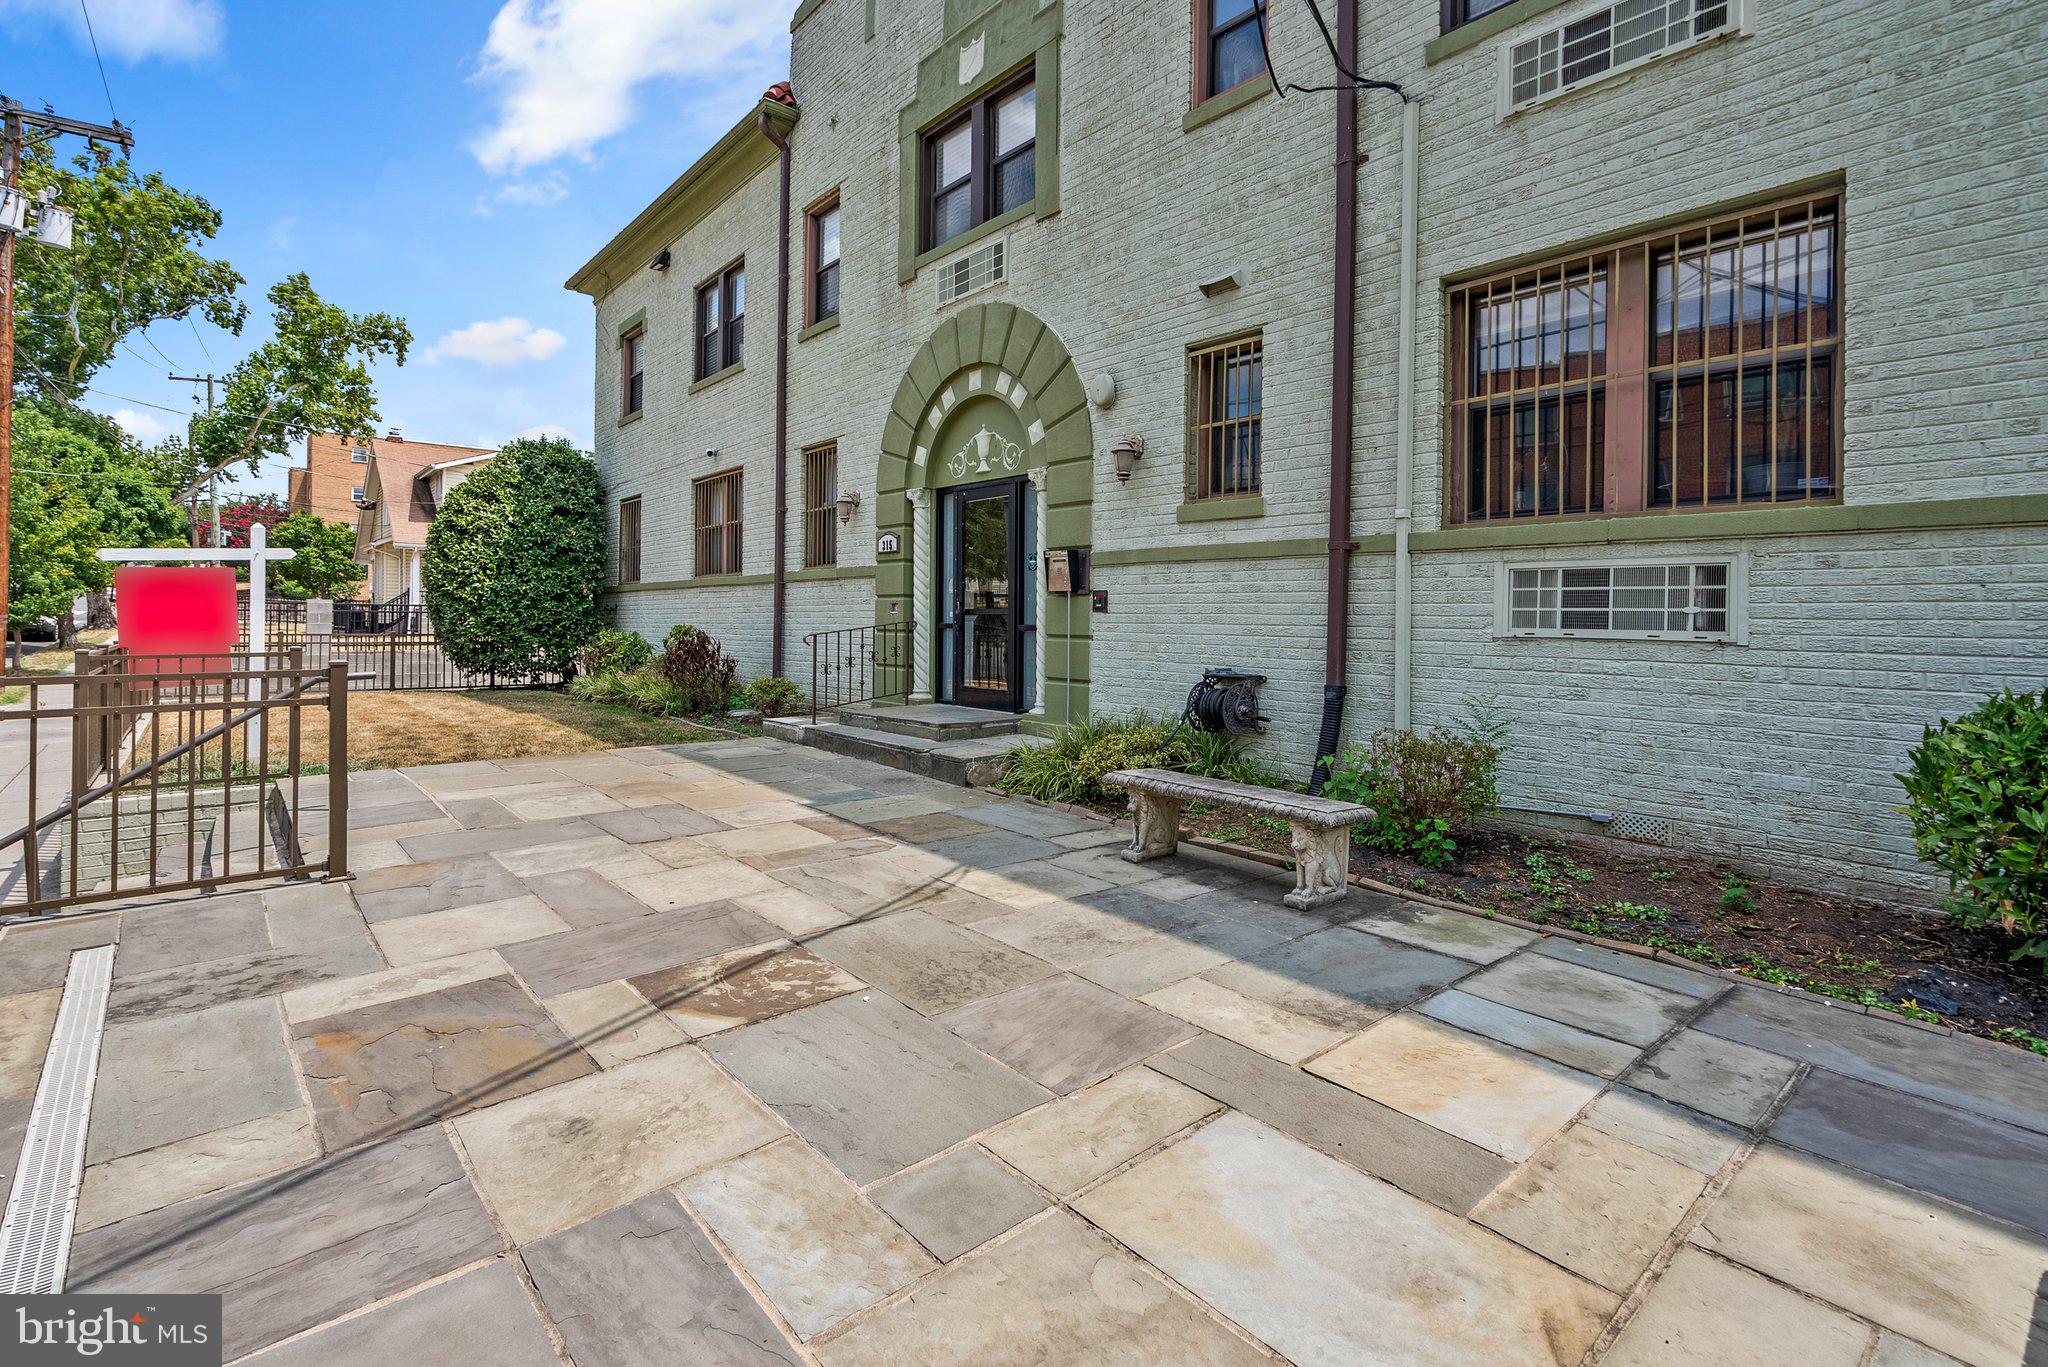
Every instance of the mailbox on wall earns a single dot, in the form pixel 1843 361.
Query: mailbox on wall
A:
pixel 1066 571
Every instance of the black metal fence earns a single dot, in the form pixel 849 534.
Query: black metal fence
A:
pixel 387 646
pixel 860 664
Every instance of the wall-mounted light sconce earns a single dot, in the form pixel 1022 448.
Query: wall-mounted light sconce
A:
pixel 1126 453
pixel 848 501
pixel 660 262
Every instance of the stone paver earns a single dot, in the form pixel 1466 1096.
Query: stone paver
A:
pixel 439 934
pixel 613 1023
pixel 927 962
pixel 298 1249
pixel 555 964
pixel 1707 1311
pixel 168 937
pixel 33 957
pixel 872 1084
pixel 1668 1131
pixel 958 1202
pixel 416 889
pixel 427 1058
pixel 1055 1293
pixel 644 1287
pixel 1066 1144
pixel 479 1319
pixel 1065 1033
pixel 1447 932
pixel 1220 1011
pixel 170 1173
pixel 744 985
pixel 585 898
pixel 1554 1040
pixel 26 1019
pixel 170 1078
pixel 1597 1002
pixel 1340 978
pixel 1269 1231
pixel 242 977
pixel 558 1157
pixel 369 989
pixel 1496 1097
pixel 1931 1271
pixel 806 1237
pixel 1718 1077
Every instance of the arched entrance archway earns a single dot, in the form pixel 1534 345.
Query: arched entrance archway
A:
pixel 989 421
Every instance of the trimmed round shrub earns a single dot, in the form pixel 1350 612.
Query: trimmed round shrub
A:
pixel 515 561
pixel 774 696
pixel 615 652
pixel 1977 795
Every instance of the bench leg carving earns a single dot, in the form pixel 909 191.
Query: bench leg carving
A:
pixel 1322 859
pixel 1155 827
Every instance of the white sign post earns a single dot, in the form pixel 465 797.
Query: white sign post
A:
pixel 259 556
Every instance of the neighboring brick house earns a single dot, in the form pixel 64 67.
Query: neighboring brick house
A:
pixel 330 483
pixel 1727 469
pixel 407 481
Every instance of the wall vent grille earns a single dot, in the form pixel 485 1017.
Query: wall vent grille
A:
pixel 1610 41
pixel 1652 830
pixel 979 269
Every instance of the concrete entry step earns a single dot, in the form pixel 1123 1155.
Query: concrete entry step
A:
pixel 931 721
pixel 974 762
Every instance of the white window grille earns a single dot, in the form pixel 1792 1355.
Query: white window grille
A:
pixel 979 269
pixel 1608 42
pixel 1690 600
pixel 360 455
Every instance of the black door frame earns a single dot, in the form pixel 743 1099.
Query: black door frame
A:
pixel 958 497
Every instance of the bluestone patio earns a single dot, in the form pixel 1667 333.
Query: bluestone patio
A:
pixel 743 1053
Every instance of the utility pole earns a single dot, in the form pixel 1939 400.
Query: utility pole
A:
pixel 212 484
pixel 17 125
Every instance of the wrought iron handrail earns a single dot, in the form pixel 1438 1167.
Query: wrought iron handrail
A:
pixel 860 664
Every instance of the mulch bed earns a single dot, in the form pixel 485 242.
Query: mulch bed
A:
pixel 1919 964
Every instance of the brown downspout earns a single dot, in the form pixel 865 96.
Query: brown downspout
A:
pixel 781 587
pixel 1343 297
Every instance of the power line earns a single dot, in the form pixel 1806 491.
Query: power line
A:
pixel 93 38
pixel 199 339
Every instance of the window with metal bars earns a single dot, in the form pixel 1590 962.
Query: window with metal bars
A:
pixel 1693 368
pixel 629 540
pixel 717 500
pixel 1689 601
pixel 1225 380
pixel 981 163
pixel 823 244
pixel 821 505
pixel 721 320
pixel 632 377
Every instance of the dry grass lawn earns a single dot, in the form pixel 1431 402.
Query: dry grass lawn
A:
pixel 388 730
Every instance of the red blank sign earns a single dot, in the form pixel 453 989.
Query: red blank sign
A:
pixel 176 610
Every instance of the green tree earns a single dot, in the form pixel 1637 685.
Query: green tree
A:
pixel 311 376
pixel 515 561
pixel 136 259
pixel 325 566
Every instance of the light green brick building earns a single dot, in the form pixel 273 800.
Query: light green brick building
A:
pixel 1719 394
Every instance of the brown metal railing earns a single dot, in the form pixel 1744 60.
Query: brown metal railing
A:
pixel 185 772
pixel 860 664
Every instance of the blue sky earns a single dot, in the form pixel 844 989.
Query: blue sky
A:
pixel 448 162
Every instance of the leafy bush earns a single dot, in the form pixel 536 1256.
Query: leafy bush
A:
pixel 515 561
pixel 613 651
pixel 1977 795
pixel 1425 789
pixel 697 668
pixel 643 690
pixel 774 696
pixel 325 566
pixel 1071 766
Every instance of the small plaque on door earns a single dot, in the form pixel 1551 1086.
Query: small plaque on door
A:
pixel 887 544
pixel 1059 574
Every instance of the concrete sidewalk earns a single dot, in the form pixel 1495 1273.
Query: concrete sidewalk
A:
pixel 744 1053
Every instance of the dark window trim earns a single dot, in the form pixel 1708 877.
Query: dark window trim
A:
pixel 812 270
pixel 727 537
pixel 1205 35
pixel 632 372
pixel 821 505
pixel 731 330
pixel 979 115
pixel 1457 13
pixel 629 546
pixel 1207 430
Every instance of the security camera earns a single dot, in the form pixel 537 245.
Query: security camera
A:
pixel 711 453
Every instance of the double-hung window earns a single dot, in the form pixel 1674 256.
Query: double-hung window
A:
pixel 718 523
pixel 1226 383
pixel 1229 49
pixel 1694 368
pixel 981 163
pixel 721 320
pixel 632 376
pixel 823 253
pixel 1452 13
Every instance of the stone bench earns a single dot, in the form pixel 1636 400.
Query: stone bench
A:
pixel 1319 828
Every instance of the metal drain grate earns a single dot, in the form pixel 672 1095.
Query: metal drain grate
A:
pixel 35 1241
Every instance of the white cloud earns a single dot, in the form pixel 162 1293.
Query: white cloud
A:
pixel 567 70
pixel 144 427
pixel 500 341
pixel 542 431
pixel 525 194
pixel 134 29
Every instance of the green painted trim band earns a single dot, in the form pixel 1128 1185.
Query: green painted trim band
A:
pixel 702 581
pixel 632 417
pixel 1231 100
pixel 805 11
pixel 1209 551
pixel 638 320
pixel 709 380
pixel 1221 509
pixel 1485 26
pixel 974 234
pixel 818 574
pixel 2022 510
pixel 818 329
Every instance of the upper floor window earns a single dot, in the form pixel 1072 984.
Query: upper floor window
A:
pixel 823 254
pixel 629 540
pixel 356 494
pixel 1696 368
pixel 1229 47
pixel 981 163
pixel 721 320
pixel 1455 12
pixel 359 454
pixel 632 379
pixel 1226 383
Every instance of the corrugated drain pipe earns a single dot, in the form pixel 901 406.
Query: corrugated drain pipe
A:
pixel 1343 321
pixel 781 588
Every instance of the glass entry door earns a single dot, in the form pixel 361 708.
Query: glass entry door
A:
pixel 985 574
